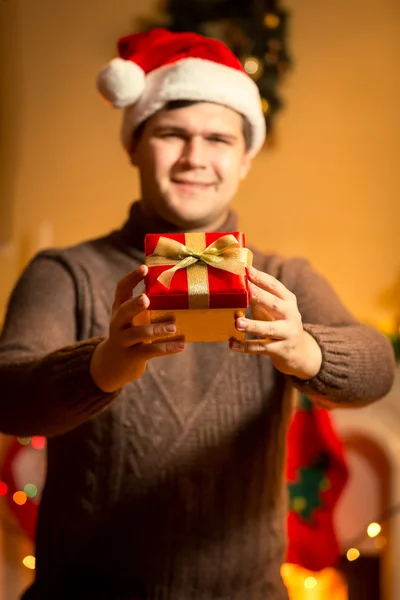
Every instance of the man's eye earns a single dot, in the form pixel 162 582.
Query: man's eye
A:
pixel 218 140
pixel 172 134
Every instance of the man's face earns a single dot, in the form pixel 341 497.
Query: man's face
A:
pixel 191 161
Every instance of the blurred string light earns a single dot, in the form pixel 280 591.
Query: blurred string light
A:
pixel 264 105
pixel 373 531
pixel 20 498
pixel 253 67
pixel 24 441
pixel 30 490
pixel 37 442
pixel 310 583
pixel 29 562
pixel 352 554
pixel 271 21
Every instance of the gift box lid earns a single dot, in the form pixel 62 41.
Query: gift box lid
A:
pixel 223 288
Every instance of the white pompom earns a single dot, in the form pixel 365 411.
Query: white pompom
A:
pixel 121 82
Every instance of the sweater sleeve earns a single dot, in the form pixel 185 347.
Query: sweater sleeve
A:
pixel 358 362
pixel 45 382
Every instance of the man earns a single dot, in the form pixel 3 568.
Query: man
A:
pixel 165 477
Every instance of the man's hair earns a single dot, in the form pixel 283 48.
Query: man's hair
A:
pixel 175 104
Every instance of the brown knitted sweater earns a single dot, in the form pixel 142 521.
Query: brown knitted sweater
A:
pixel 171 489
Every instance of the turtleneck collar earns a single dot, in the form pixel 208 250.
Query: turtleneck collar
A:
pixel 138 225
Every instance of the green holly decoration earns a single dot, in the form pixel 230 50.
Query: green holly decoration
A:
pixel 305 495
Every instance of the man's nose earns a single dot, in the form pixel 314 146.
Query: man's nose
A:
pixel 193 153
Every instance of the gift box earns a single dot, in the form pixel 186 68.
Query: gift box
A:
pixel 199 281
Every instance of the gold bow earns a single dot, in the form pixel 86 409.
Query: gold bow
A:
pixel 225 253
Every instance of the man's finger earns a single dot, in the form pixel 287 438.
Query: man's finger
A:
pixel 276 330
pixel 146 333
pixel 269 283
pixel 276 349
pixel 127 284
pixel 251 346
pixel 124 315
pixel 276 307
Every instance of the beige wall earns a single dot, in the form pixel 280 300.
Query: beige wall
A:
pixel 330 190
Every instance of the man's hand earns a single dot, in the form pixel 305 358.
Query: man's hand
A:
pixel 122 357
pixel 277 321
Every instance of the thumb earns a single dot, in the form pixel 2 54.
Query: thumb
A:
pixel 126 285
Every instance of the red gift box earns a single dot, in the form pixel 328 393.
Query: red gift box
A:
pixel 224 289
pixel 203 286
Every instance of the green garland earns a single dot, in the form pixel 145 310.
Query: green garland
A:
pixel 395 340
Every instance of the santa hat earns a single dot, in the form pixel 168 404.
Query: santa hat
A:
pixel 161 66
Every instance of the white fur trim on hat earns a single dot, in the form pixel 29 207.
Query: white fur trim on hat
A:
pixel 121 82
pixel 201 80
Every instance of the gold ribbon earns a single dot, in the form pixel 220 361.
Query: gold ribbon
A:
pixel 225 253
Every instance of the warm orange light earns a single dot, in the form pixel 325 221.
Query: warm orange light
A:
pixel 264 105
pixel 373 529
pixel 20 498
pixel 352 554
pixel 271 21
pixel 308 585
pixel 29 562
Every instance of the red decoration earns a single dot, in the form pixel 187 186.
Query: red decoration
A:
pixel 38 442
pixel 316 473
pixel 158 47
pixel 26 513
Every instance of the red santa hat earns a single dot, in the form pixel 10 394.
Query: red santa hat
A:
pixel 160 66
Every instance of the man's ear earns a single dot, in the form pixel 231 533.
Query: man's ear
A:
pixel 245 166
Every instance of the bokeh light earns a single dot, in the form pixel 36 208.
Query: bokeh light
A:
pixel 24 440
pixel 30 490
pixel 353 554
pixel 29 562
pixel 310 583
pixel 38 442
pixel 20 498
pixel 374 529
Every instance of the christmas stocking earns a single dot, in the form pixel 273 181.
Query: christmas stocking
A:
pixel 316 472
